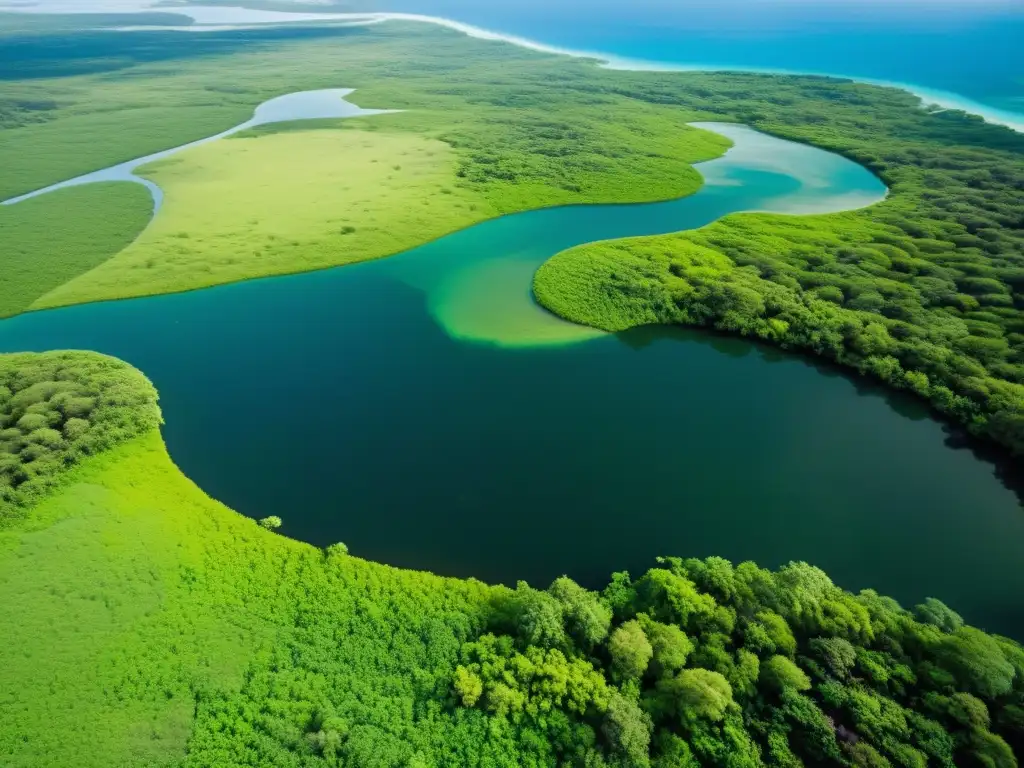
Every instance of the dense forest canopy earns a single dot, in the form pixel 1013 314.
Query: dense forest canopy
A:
pixel 702 663
pixel 151 625
pixel 697 663
pixel 923 291
pixel 56 408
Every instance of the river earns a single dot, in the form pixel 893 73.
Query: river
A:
pixel 423 410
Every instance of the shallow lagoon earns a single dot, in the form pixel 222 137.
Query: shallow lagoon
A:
pixel 423 410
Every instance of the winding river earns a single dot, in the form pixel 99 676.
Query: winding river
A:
pixel 425 411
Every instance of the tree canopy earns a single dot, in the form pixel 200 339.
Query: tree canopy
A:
pixel 712 665
pixel 56 408
pixel 922 291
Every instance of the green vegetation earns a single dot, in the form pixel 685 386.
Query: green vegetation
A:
pixel 700 663
pixel 146 624
pixel 52 239
pixel 521 142
pixel 283 202
pixel 277 201
pixel 923 291
pixel 135 608
pixel 56 409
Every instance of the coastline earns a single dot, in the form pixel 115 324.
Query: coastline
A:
pixel 222 18
pixel 946 100
pixel 204 15
pixel 928 96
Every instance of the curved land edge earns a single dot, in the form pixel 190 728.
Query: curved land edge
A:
pixel 171 630
pixel 146 624
pixel 502 163
pixel 925 289
pixel 922 291
pixel 217 234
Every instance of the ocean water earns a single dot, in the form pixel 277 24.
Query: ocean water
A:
pixel 966 54
pixel 403 426
pixel 971 48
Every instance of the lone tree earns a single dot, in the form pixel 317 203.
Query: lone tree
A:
pixel 271 523
pixel 337 549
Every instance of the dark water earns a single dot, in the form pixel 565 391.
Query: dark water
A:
pixel 349 403
pixel 972 48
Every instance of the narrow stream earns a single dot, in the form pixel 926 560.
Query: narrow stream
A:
pixel 303 105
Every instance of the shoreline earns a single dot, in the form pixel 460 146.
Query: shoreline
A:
pixel 220 18
pixel 702 167
pixel 929 96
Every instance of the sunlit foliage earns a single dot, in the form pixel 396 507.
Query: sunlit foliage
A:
pixel 922 291
pixel 146 624
pixel 57 408
pixel 285 198
pixel 860 681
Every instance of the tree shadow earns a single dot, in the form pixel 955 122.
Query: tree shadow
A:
pixel 1005 467
pixel 644 336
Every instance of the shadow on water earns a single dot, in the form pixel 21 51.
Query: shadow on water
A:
pixel 1004 466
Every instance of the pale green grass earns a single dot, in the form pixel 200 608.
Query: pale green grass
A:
pixel 294 200
pixel 486 130
pixel 280 203
pixel 519 130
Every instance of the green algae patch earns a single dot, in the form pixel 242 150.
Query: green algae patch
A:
pixel 490 302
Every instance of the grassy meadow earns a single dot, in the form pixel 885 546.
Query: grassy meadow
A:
pixel 279 203
pixel 50 240
pixel 298 197
pixel 294 200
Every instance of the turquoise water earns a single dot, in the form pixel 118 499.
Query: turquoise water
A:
pixel 423 410
pixel 971 48
pixel 961 53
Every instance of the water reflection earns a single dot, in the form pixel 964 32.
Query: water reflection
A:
pixel 905 405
